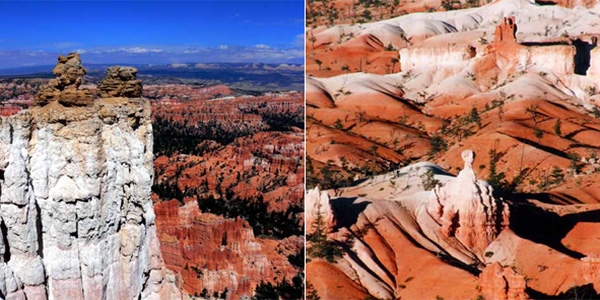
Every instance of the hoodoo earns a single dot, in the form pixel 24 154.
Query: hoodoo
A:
pixel 65 87
pixel 466 209
pixel 506 32
pixel 76 216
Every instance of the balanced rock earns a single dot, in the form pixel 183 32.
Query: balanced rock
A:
pixel 65 87
pixel 120 82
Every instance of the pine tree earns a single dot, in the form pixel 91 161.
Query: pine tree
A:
pixel 319 63
pixel 320 246
pixel 557 127
pixel 428 180
pixel 538 134
pixel 338 124
pixel 319 227
pixel 311 292
pixel 494 178
pixel 474 117
pixel 557 175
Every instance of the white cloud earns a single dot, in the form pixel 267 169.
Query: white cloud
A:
pixel 158 54
pixel 37 53
pixel 142 50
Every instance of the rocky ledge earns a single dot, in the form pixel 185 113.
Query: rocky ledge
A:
pixel 76 217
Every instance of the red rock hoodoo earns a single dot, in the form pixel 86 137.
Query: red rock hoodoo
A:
pixel 506 32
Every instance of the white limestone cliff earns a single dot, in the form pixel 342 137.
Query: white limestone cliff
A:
pixel 76 216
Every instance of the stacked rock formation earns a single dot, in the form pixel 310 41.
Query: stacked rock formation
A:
pixel 76 216
pixel 120 82
pixel 65 87
pixel 467 210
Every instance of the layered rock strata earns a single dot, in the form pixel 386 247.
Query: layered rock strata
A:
pixel 76 216
pixel 120 82
pixel 450 56
pixel 502 283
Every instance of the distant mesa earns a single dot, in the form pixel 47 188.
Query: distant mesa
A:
pixel 69 72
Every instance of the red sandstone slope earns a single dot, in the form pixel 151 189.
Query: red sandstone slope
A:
pixel 522 93
pixel 398 239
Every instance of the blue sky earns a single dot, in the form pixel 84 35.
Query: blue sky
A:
pixel 153 32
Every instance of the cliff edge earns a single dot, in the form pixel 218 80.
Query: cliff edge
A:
pixel 76 217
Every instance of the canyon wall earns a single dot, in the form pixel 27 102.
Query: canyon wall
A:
pixel 435 56
pixel 558 59
pixel 215 254
pixel 76 216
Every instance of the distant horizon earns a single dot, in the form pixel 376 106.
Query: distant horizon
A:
pixel 4 71
pixel 154 32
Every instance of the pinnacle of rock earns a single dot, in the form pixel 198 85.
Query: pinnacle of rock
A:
pixel 502 283
pixel 76 204
pixel 468 156
pixel 65 87
pixel 467 209
pixel 120 82
pixel 506 32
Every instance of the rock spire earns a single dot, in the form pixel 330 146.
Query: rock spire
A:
pixel 467 209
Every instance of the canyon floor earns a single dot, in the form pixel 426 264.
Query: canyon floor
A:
pixel 228 190
pixel 228 174
pixel 452 153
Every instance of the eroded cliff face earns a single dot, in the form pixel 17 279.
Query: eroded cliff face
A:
pixel 76 216
pixel 317 202
pixel 447 57
pixel 215 254
pixel 445 217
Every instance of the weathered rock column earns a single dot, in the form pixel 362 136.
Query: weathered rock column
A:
pixel 76 216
